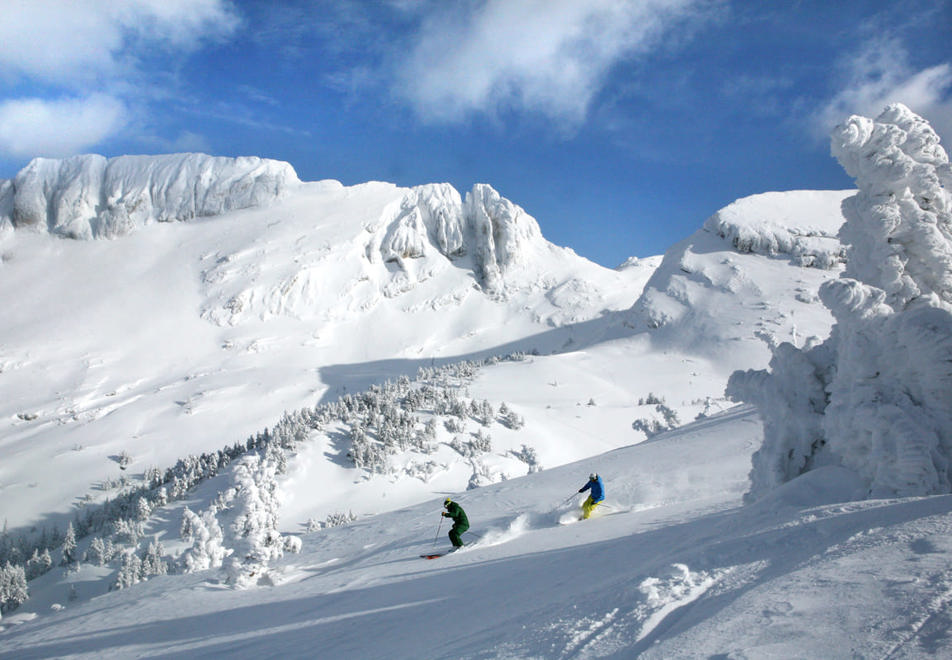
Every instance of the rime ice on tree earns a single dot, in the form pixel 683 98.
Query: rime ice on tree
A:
pixel 876 397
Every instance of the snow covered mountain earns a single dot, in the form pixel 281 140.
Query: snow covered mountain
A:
pixel 339 359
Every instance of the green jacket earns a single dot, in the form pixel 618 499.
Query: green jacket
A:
pixel 455 511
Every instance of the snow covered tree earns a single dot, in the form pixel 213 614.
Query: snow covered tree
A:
pixel 126 530
pixel 485 414
pixel 38 564
pixel 69 546
pixel 876 396
pixel 130 571
pixel 124 459
pixel 99 552
pixel 511 419
pixel 153 562
pixel 143 509
pixel 529 456
pixel 205 533
pixel 454 425
pixel 253 532
pixel 366 452
pixel 13 589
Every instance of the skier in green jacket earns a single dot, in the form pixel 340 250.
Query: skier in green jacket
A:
pixel 460 521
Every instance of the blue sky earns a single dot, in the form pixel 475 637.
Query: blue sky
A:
pixel 619 125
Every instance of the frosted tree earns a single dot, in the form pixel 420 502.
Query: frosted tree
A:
pixel 528 455
pixel 253 532
pixel 153 562
pixel 130 571
pixel 510 417
pixel 208 550
pixel 98 553
pixel 39 563
pixel 69 546
pixel 126 530
pixel 876 396
pixel 13 589
pixel 143 509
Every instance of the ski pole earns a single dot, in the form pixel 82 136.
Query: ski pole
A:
pixel 437 537
pixel 569 498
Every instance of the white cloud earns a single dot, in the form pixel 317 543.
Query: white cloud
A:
pixel 880 75
pixel 38 127
pixel 545 56
pixel 73 42
pixel 79 60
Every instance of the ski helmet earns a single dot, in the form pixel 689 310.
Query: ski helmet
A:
pixel 593 476
pixel 447 502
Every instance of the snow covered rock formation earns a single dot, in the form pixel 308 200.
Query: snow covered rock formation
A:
pixel 90 196
pixel 433 219
pixel 876 397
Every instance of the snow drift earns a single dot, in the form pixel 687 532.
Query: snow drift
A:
pixel 90 196
pixel 876 397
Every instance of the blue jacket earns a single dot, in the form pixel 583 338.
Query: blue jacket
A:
pixel 598 489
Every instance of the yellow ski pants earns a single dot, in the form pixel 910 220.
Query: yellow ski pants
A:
pixel 587 507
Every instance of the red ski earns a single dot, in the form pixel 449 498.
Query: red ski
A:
pixel 434 555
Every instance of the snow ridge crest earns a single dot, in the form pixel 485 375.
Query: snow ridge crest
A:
pixel 760 224
pixel 90 196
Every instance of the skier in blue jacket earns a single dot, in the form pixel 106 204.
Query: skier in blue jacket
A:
pixel 596 496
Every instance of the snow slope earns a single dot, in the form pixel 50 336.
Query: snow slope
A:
pixel 675 568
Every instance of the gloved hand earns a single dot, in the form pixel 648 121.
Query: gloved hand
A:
pixel 581 490
pixel 444 514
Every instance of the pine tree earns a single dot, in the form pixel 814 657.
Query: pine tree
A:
pixel 129 571
pixel 39 564
pixel 69 546
pixel 152 561
pixel 96 554
pixel 13 589
pixel 207 550
pixel 143 509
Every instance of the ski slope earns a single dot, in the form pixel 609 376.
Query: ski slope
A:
pixel 673 567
